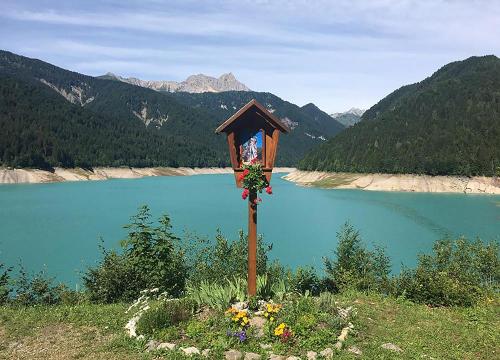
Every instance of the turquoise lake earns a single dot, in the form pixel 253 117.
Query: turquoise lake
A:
pixel 56 227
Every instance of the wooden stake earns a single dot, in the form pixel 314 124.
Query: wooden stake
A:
pixel 252 245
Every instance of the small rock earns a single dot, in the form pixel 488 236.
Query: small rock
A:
pixel 338 345
pixel 343 334
pixel 392 347
pixel 427 356
pixel 276 357
pixel 233 355
pixel 152 345
pixel 240 305
pixel 166 346
pixel 355 350
pixel 252 356
pixel 258 322
pixel 344 313
pixel 190 351
pixel 293 358
pixel 15 345
pixel 327 353
pixel 312 355
pixel 206 353
pixel 266 346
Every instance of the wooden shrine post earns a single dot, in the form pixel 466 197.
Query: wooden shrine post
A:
pixel 252 136
pixel 252 245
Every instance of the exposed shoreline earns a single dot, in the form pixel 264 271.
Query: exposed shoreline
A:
pixel 36 176
pixel 397 182
pixel 374 182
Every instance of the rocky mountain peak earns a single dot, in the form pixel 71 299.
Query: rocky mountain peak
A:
pixel 199 83
pixel 352 111
pixel 349 117
pixel 355 111
pixel 227 77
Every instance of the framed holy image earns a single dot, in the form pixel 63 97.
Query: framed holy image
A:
pixel 252 136
pixel 252 146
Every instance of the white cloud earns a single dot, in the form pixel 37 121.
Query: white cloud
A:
pixel 301 50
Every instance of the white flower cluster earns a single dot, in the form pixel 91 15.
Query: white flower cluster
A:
pixel 140 306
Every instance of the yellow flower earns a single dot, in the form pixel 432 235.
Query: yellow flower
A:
pixel 278 331
pixel 271 318
pixel 245 320
pixel 273 308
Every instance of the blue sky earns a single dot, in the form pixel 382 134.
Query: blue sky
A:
pixel 337 54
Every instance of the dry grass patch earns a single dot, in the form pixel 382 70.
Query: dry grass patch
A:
pixel 335 180
pixel 61 341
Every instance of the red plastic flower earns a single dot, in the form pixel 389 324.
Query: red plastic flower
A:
pixel 269 190
pixel 243 174
pixel 244 194
pixel 287 334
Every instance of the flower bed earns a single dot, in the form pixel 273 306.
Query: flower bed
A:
pixel 296 326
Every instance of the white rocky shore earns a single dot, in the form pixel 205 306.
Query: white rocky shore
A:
pixel 397 182
pixel 20 176
pixel 376 182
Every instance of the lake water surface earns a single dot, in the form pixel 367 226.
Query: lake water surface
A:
pixel 56 227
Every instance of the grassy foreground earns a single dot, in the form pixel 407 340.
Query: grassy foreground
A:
pixel 90 331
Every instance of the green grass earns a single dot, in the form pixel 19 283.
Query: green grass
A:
pixel 335 180
pixel 424 332
pixel 96 331
pixel 24 321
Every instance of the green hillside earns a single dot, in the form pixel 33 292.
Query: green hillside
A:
pixel 448 123
pixel 55 117
pixel 40 129
pixel 307 123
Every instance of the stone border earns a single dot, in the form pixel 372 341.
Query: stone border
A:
pixel 142 304
pixel 233 354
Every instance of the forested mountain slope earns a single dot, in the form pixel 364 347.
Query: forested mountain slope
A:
pixel 309 125
pixel 55 117
pixel 448 123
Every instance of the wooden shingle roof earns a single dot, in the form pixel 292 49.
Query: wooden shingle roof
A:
pixel 253 106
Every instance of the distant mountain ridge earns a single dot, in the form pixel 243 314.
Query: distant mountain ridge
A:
pixel 193 84
pixel 54 117
pixel 353 111
pixel 349 117
pixel 447 124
